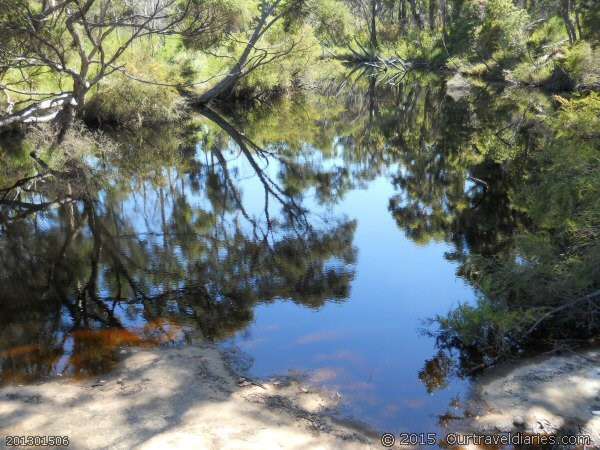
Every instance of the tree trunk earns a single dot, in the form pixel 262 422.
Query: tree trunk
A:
pixel 578 20
pixel 72 109
pixel 402 16
pixel 565 12
pixel 40 112
pixel 416 13
pixel 373 27
pixel 444 13
pixel 432 14
pixel 64 121
pixel 237 71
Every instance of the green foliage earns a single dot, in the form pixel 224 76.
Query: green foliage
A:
pixel 79 143
pixel 582 63
pixel 296 69
pixel 462 29
pixel 225 16
pixel 590 17
pixel 555 261
pixel 502 40
pixel 423 47
pixel 533 74
pixel 486 326
pixel 332 22
pixel 129 103
pixel 546 38
pixel 571 155
pixel 503 27
pixel 122 100
pixel 563 69
pixel 296 13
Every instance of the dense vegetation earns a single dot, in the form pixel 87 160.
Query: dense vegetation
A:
pixel 73 58
pixel 510 178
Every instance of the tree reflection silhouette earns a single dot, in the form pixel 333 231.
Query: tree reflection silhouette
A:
pixel 82 259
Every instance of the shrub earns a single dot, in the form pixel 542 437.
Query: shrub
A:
pixel 580 62
pixel 547 38
pixel 332 21
pixel 126 102
pixel 503 28
pixel 562 70
pixel 489 327
pixel 533 74
pixel 121 100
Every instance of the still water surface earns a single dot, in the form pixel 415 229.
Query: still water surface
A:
pixel 369 347
pixel 318 236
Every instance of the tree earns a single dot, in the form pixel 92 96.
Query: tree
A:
pixel 253 57
pixel 565 9
pixel 590 18
pixel 77 43
pixel 503 27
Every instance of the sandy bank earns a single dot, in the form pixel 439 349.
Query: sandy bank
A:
pixel 558 394
pixel 178 398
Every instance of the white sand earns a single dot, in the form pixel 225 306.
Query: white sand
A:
pixel 542 395
pixel 178 399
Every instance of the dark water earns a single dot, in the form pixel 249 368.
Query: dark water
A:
pixel 318 235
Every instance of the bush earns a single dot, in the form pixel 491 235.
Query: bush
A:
pixel 487 327
pixel 533 74
pixel 547 38
pixel 121 100
pixel 126 102
pixel 580 62
pixel 503 28
pixel 563 69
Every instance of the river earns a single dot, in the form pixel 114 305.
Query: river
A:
pixel 317 236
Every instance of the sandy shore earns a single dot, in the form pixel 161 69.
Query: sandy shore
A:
pixel 179 398
pixel 190 397
pixel 558 394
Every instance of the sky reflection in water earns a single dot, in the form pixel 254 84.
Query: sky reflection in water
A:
pixel 370 347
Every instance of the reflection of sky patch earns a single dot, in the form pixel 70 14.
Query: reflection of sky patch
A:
pixel 314 338
pixel 324 375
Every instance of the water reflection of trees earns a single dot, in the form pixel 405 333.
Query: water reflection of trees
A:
pixel 459 164
pixel 447 157
pixel 462 167
pixel 454 182
pixel 488 174
pixel 95 249
pixel 162 230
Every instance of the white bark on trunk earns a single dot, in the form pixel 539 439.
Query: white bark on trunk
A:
pixel 44 111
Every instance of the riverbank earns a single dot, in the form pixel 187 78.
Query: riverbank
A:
pixel 546 395
pixel 186 397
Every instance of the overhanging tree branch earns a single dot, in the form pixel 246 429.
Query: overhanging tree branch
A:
pixel 70 39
